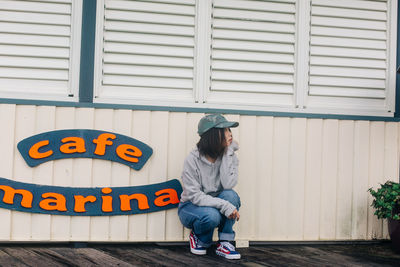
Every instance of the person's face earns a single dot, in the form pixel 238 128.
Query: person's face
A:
pixel 228 136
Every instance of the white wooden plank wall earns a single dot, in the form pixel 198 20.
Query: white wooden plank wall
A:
pixel 300 179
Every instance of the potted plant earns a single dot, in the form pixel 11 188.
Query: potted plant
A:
pixel 386 201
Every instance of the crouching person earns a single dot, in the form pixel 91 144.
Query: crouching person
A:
pixel 210 172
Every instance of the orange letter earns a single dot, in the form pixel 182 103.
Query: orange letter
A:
pixel 57 202
pixel 143 203
pixel 10 192
pixel 77 145
pixel 172 197
pixel 128 152
pixel 107 200
pixel 80 202
pixel 102 141
pixel 34 150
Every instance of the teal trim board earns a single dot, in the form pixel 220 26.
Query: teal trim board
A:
pixel 86 74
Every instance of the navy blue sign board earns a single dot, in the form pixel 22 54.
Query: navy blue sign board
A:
pixel 86 201
pixel 82 143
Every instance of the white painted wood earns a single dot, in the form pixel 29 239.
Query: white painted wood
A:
pixel 296 181
pixel 7 119
pixel 141 131
pixel 344 190
pixel 82 176
pixel 360 179
pixel 43 174
pixel 246 226
pixel 21 223
pixel 265 163
pixel 176 156
pixel 158 169
pixel 62 174
pixel 376 173
pixel 100 225
pixel 312 189
pixel 329 175
pixel 120 175
pixel 391 163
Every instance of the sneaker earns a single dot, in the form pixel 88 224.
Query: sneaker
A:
pixel 227 250
pixel 195 248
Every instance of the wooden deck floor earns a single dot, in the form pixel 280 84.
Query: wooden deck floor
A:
pixel 379 254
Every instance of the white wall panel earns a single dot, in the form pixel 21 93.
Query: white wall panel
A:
pixel 300 179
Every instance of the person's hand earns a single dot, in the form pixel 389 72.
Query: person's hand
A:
pixel 234 215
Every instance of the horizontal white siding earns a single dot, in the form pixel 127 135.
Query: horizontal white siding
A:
pixel 300 179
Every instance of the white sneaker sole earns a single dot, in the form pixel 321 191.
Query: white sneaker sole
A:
pixel 228 256
pixel 198 252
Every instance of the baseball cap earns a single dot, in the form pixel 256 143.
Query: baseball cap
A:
pixel 214 121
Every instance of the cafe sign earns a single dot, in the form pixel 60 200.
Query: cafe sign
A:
pixel 85 201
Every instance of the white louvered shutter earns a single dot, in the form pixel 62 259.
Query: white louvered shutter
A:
pixel 38 46
pixel 352 57
pixel 146 51
pixel 253 53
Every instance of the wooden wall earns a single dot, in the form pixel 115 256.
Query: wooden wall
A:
pixel 300 179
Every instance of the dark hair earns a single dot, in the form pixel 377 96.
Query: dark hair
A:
pixel 212 143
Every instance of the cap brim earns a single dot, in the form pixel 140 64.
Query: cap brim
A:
pixel 227 124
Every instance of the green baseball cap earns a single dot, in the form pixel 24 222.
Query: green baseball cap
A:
pixel 214 121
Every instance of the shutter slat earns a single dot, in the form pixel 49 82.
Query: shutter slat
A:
pixel 253 36
pixel 55 8
pixel 354 4
pixel 25 73
pixel 253 77
pixel 257 6
pixel 347 52
pixel 347 92
pixel 9 61
pixel 148 71
pixel 148 60
pixel 347 82
pixel 253 67
pixel 348 23
pixel 38 18
pixel 253 46
pixel 148 28
pixel 348 72
pixel 38 29
pixel 173 83
pixel 150 7
pixel 168 19
pixel 348 62
pixel 252 25
pixel 147 49
pixel 252 56
pixel 247 87
pixel 347 42
pixel 253 15
pixel 34 40
pixel 351 33
pixel 348 13
pixel 148 39
pixel 34 51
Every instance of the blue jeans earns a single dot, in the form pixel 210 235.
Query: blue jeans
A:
pixel 203 220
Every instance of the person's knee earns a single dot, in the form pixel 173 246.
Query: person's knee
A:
pixel 231 196
pixel 211 220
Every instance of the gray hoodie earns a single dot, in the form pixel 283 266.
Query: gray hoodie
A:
pixel 203 180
